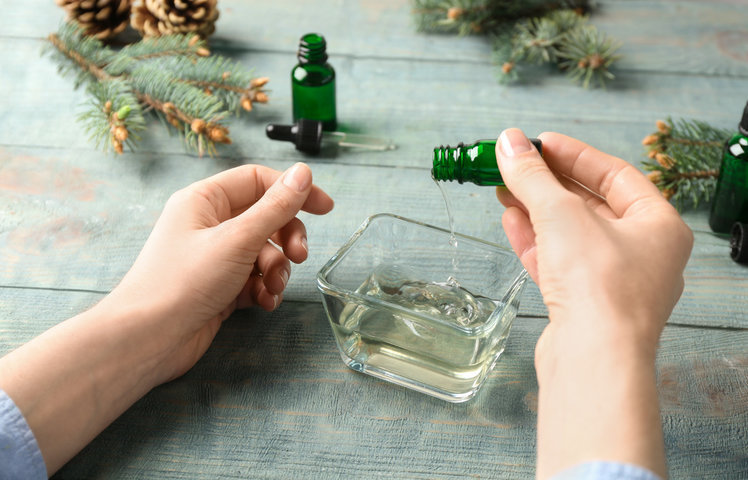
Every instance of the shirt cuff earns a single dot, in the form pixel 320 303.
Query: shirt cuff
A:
pixel 20 457
pixel 606 471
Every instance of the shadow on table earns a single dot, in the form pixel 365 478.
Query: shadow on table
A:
pixel 273 383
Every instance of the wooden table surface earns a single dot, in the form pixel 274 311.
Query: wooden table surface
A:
pixel 271 398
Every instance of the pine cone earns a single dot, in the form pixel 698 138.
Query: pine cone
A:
pixel 99 18
pixel 153 18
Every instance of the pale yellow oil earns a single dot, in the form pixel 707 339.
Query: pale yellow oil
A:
pixel 447 349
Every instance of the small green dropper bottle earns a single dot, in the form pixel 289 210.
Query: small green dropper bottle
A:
pixel 313 83
pixel 474 163
pixel 730 202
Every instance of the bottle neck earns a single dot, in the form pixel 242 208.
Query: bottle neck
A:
pixel 312 49
pixel 448 162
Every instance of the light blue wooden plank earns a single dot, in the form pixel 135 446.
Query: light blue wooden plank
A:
pixel 675 36
pixel 681 37
pixel 272 399
pixel 77 219
pixel 418 104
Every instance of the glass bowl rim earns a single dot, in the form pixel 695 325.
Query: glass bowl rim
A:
pixel 327 288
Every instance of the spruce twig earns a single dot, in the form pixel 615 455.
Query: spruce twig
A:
pixel 467 17
pixel 114 105
pixel 534 32
pixel 173 76
pixel 587 55
pixel 684 158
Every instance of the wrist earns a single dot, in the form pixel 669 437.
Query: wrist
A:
pixel 131 330
pixel 597 399
pixel 592 348
pixel 608 332
pixel 77 377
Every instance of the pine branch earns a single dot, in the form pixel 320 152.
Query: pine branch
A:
pixel 115 115
pixel 224 78
pixel 156 48
pixel 466 17
pixel 186 107
pixel 537 32
pixel 684 160
pixel 88 53
pixel 171 76
pixel 462 17
pixel 536 41
pixel 587 55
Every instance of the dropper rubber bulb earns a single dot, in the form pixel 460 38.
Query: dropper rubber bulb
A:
pixel 305 134
pixel 308 136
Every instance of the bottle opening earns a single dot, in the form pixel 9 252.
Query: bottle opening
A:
pixel 312 48
pixel 443 165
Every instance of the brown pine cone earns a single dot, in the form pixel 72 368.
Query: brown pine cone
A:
pixel 153 18
pixel 99 18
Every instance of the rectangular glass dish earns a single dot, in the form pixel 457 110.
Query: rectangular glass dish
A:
pixel 411 304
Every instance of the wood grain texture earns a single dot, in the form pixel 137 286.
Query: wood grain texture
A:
pixel 271 399
pixel 679 36
pixel 419 104
pixel 77 220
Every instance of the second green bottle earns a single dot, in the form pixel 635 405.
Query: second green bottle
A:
pixel 313 83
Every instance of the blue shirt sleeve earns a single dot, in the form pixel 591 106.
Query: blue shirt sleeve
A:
pixel 20 457
pixel 606 471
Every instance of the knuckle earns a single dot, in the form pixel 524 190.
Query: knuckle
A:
pixel 530 168
pixel 178 197
pixel 196 191
pixel 280 201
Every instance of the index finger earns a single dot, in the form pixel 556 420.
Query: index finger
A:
pixel 244 185
pixel 620 183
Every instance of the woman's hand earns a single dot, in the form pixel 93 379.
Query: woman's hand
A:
pixel 212 250
pixel 597 237
pixel 222 243
pixel 608 253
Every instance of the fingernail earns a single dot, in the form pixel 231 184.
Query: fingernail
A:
pixel 513 142
pixel 297 177
pixel 284 276
pixel 275 301
pixel 304 244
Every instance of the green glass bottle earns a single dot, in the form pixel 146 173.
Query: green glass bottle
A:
pixel 730 202
pixel 474 163
pixel 313 83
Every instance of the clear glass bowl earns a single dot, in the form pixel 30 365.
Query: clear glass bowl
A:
pixel 410 304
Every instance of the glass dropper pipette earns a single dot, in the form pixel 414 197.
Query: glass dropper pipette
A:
pixel 308 136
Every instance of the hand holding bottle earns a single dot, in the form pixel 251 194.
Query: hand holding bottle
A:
pixel 592 231
pixel 608 253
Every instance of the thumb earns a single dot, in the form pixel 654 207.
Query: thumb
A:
pixel 278 205
pixel 525 172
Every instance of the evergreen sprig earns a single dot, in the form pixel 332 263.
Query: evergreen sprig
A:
pixel 156 48
pixel 173 76
pixel 587 55
pixel 221 77
pixel 466 17
pixel 684 158
pixel 114 105
pixel 533 32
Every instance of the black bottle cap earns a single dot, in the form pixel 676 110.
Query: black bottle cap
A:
pixel 305 134
pixel 743 126
pixel 739 242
